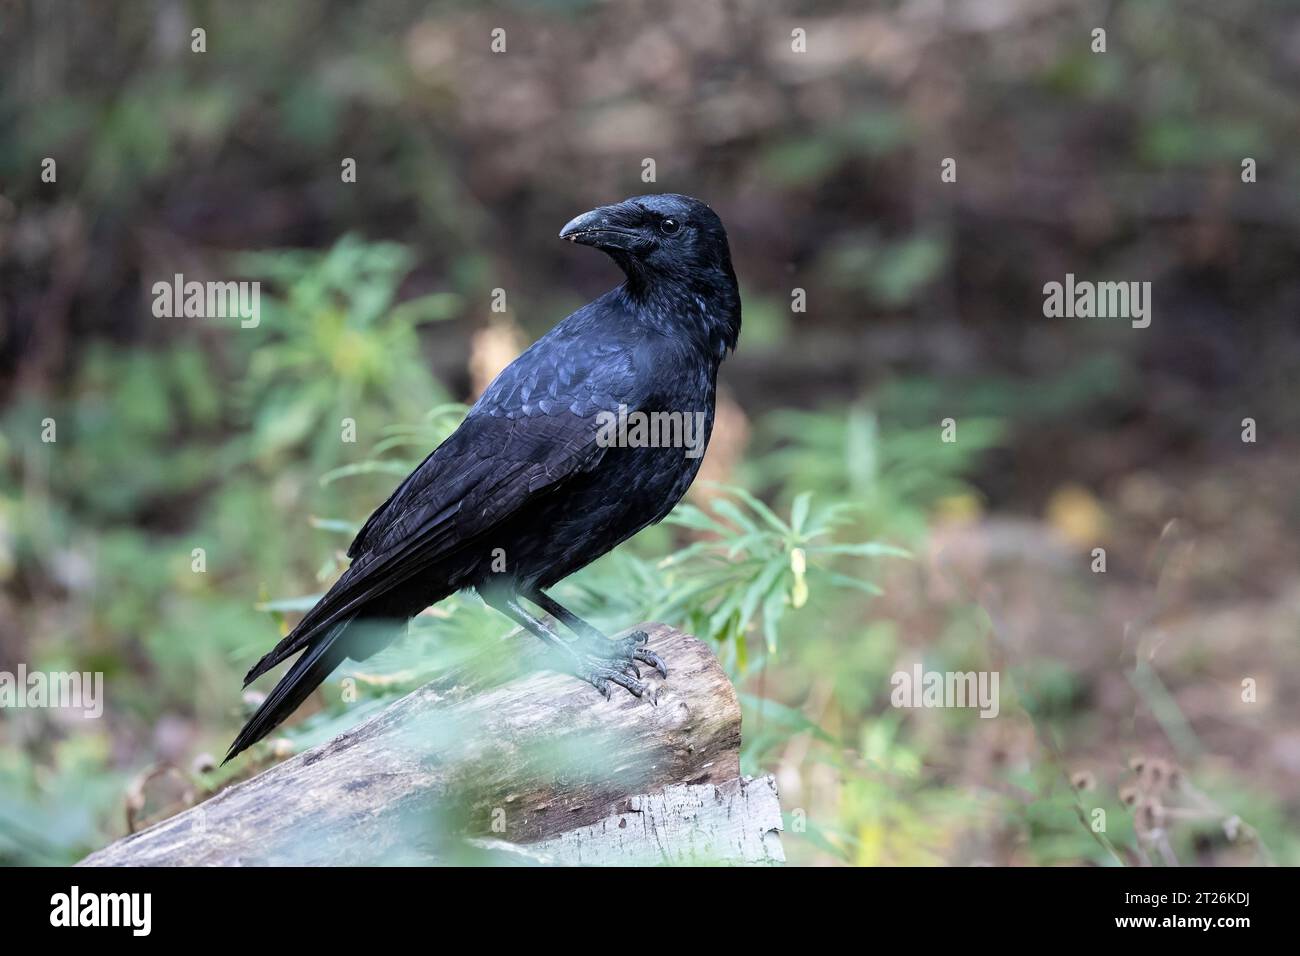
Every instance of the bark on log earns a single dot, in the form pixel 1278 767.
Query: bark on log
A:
pixel 737 822
pixel 470 768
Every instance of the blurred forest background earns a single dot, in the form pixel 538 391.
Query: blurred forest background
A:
pixel 1121 690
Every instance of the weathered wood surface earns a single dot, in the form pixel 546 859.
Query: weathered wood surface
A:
pixel 738 822
pixel 463 769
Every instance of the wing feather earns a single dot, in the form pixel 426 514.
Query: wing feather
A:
pixel 488 470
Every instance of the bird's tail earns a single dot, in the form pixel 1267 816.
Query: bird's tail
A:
pixel 316 663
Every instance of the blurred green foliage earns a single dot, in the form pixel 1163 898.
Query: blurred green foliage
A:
pixel 733 570
pixel 923 305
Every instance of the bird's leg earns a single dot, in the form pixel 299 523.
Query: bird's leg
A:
pixel 631 648
pixel 597 670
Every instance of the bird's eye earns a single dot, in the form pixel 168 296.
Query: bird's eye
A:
pixel 669 227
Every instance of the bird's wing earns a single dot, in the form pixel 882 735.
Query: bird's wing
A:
pixel 481 476
pixel 534 428
pixel 557 374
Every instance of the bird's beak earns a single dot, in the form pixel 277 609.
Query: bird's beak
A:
pixel 605 228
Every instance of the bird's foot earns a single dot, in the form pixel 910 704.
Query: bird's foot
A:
pixel 606 661
pixel 631 648
pixel 601 673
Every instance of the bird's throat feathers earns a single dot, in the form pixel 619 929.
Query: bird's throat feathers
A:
pixel 705 307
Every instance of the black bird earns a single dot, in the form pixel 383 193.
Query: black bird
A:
pixel 534 483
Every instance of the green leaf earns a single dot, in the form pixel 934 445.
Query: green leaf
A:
pixel 767 513
pixel 689 516
pixel 760 588
pixel 845 581
pixel 793 720
pixel 290 604
pixel 732 512
pixel 867 549
pixel 799 511
pixel 773 610
pixel 334 524
pixel 365 468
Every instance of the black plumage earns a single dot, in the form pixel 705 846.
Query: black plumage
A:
pixel 526 482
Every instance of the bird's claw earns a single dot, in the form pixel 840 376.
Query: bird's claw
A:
pixel 651 658
pixel 633 647
pixel 601 673
pixel 603 662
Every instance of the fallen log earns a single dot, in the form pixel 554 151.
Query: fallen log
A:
pixel 532 767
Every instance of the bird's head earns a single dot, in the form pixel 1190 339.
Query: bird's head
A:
pixel 674 253
pixel 665 234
